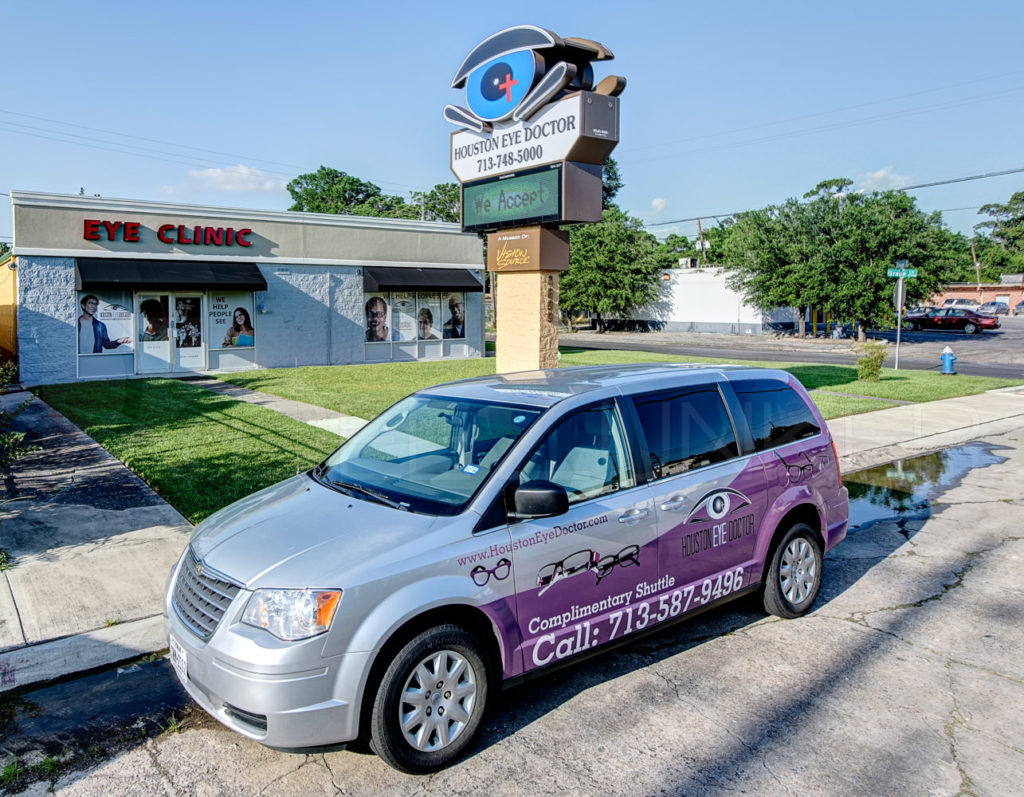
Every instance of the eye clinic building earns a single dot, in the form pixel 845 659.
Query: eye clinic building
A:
pixel 111 288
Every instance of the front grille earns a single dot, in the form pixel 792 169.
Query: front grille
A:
pixel 201 598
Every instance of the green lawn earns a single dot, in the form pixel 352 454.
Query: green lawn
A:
pixel 197 449
pixel 201 450
pixel 365 390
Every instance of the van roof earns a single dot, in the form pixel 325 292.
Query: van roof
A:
pixel 548 387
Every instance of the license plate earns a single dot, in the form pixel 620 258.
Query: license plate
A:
pixel 179 660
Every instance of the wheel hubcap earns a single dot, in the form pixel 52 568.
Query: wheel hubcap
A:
pixel 437 700
pixel 798 571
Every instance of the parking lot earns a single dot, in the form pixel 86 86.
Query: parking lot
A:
pixel 906 678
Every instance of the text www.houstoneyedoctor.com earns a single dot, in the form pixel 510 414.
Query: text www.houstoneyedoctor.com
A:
pixel 537 538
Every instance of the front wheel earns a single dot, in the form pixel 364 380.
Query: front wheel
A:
pixel 431 700
pixel 794 575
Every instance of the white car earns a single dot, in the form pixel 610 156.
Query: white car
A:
pixel 962 304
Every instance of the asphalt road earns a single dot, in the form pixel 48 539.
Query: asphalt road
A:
pixel 906 678
pixel 996 354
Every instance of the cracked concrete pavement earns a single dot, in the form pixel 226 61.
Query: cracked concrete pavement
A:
pixel 906 678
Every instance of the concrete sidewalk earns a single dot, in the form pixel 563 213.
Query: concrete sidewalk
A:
pixel 92 544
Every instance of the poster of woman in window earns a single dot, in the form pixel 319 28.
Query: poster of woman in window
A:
pixel 153 321
pixel 378 319
pixel 428 317
pixel 104 326
pixel 230 321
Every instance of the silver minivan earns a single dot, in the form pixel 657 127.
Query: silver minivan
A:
pixel 480 531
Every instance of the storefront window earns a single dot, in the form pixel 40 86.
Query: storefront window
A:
pixel 428 316
pixel 230 321
pixel 378 318
pixel 421 319
pixel 455 325
pixel 105 323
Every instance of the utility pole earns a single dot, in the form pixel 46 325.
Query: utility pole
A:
pixel 977 266
pixel 700 234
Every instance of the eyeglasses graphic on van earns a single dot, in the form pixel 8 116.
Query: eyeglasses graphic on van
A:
pixel 481 575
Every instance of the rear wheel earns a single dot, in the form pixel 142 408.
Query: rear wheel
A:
pixel 431 700
pixel 794 575
pixel 970 328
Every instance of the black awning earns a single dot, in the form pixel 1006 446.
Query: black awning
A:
pixel 379 278
pixel 97 273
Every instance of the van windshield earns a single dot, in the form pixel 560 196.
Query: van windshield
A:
pixel 426 454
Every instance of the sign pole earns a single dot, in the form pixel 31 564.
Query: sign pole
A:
pixel 899 319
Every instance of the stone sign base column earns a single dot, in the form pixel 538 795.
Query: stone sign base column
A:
pixel 527 262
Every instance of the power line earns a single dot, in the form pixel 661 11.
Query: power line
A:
pixel 963 179
pixel 950 181
pixel 140 138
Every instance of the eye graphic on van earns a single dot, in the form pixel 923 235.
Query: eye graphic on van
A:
pixel 578 562
pixel 716 505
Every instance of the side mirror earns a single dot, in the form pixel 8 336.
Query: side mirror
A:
pixel 539 499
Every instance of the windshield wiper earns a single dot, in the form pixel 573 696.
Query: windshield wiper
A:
pixel 373 495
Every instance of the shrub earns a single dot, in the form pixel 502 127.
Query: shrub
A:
pixel 11 443
pixel 869 364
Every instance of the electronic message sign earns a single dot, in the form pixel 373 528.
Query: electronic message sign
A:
pixel 533 197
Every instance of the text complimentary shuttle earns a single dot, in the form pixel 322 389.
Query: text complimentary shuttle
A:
pixel 481 530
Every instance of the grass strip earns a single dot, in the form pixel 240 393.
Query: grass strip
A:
pixel 365 390
pixel 199 450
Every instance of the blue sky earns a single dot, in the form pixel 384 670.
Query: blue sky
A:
pixel 728 106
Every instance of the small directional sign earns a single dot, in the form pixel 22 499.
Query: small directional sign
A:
pixel 901 272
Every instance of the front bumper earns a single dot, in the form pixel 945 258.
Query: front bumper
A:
pixel 284 695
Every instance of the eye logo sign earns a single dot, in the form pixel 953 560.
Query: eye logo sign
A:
pixel 716 505
pixel 517 71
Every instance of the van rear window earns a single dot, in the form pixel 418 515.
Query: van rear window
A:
pixel 775 412
pixel 685 429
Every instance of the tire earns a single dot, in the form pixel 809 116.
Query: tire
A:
pixel 914 326
pixel 421 741
pixel 794 574
pixel 970 328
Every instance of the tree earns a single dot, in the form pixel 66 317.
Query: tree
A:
pixel 1007 224
pixel 833 251
pixel 443 202
pixel 611 182
pixel 672 248
pixel 612 267
pixel 332 191
pixel 4 248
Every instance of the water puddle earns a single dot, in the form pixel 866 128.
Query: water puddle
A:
pixel 905 489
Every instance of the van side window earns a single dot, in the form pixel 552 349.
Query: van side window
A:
pixel 776 413
pixel 585 453
pixel 686 428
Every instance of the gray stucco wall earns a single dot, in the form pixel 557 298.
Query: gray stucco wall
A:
pixel 47 309
pixel 314 316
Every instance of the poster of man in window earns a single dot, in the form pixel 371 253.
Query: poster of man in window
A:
pixel 104 326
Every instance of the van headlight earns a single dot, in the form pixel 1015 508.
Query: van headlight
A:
pixel 291 614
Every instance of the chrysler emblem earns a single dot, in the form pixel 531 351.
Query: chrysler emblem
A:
pixel 199 568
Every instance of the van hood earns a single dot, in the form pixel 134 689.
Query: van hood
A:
pixel 300 534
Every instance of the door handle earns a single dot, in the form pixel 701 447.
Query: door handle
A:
pixel 674 504
pixel 633 516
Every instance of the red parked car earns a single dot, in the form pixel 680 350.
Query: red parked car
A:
pixel 951 319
